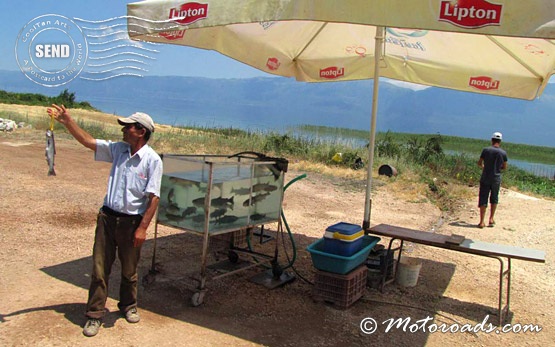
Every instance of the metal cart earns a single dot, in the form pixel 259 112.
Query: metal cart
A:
pixel 212 195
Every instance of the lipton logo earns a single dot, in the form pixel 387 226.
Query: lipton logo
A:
pixel 273 64
pixel 470 13
pixel 189 13
pixel 332 72
pixel 173 35
pixel 483 83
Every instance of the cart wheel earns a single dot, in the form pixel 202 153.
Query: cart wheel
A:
pixel 233 256
pixel 197 299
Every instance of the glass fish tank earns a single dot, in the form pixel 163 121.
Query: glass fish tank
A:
pixel 218 193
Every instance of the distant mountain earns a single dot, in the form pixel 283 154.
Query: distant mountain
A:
pixel 275 103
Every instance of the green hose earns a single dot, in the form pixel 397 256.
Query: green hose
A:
pixel 300 177
pixel 293 245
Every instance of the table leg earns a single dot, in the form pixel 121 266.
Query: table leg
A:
pixel 384 280
pixel 504 293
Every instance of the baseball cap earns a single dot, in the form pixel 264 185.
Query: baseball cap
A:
pixel 138 117
pixel 497 135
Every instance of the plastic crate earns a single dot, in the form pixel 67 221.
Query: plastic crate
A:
pixel 340 290
pixel 340 264
pixel 374 279
pixel 343 239
pixel 236 238
pixel 381 261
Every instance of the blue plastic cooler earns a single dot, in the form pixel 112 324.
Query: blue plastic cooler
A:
pixel 343 239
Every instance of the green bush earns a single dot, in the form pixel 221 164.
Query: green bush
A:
pixel 65 98
pixel 387 147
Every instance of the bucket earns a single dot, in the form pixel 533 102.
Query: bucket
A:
pixel 387 170
pixel 408 270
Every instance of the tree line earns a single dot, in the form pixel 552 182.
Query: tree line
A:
pixel 65 98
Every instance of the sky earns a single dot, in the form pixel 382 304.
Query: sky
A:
pixel 166 60
pixel 169 60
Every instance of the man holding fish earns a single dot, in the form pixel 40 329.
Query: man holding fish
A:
pixel 129 205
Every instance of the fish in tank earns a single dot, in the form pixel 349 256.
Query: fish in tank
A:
pixel 218 193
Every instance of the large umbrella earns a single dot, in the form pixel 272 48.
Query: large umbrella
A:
pixel 496 47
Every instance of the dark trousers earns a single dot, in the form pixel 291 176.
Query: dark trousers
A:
pixel 490 190
pixel 114 235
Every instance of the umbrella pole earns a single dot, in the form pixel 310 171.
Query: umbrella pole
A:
pixel 380 36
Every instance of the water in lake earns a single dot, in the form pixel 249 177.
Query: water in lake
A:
pixel 538 169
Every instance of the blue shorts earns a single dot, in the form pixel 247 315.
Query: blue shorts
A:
pixel 489 190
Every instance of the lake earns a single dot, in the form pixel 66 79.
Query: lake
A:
pixel 253 121
pixel 538 169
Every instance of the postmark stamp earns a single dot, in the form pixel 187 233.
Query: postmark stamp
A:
pixel 51 50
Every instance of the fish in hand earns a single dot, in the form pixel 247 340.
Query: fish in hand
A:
pixel 50 152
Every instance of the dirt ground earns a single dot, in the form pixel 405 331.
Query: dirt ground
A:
pixel 46 235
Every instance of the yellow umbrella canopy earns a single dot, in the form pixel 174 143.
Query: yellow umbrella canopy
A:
pixel 531 18
pixel 504 48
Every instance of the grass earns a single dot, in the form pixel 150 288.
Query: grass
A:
pixel 536 154
pixel 422 166
pixel 66 98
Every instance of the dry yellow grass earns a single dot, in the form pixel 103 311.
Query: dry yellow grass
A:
pixel 303 165
pixel 39 112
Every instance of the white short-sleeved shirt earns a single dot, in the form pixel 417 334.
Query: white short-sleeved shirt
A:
pixel 132 177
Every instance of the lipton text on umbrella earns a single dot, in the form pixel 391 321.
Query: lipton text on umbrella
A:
pixel 483 83
pixel 332 72
pixel 470 13
pixel 189 13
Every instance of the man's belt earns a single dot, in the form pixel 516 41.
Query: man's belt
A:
pixel 108 211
